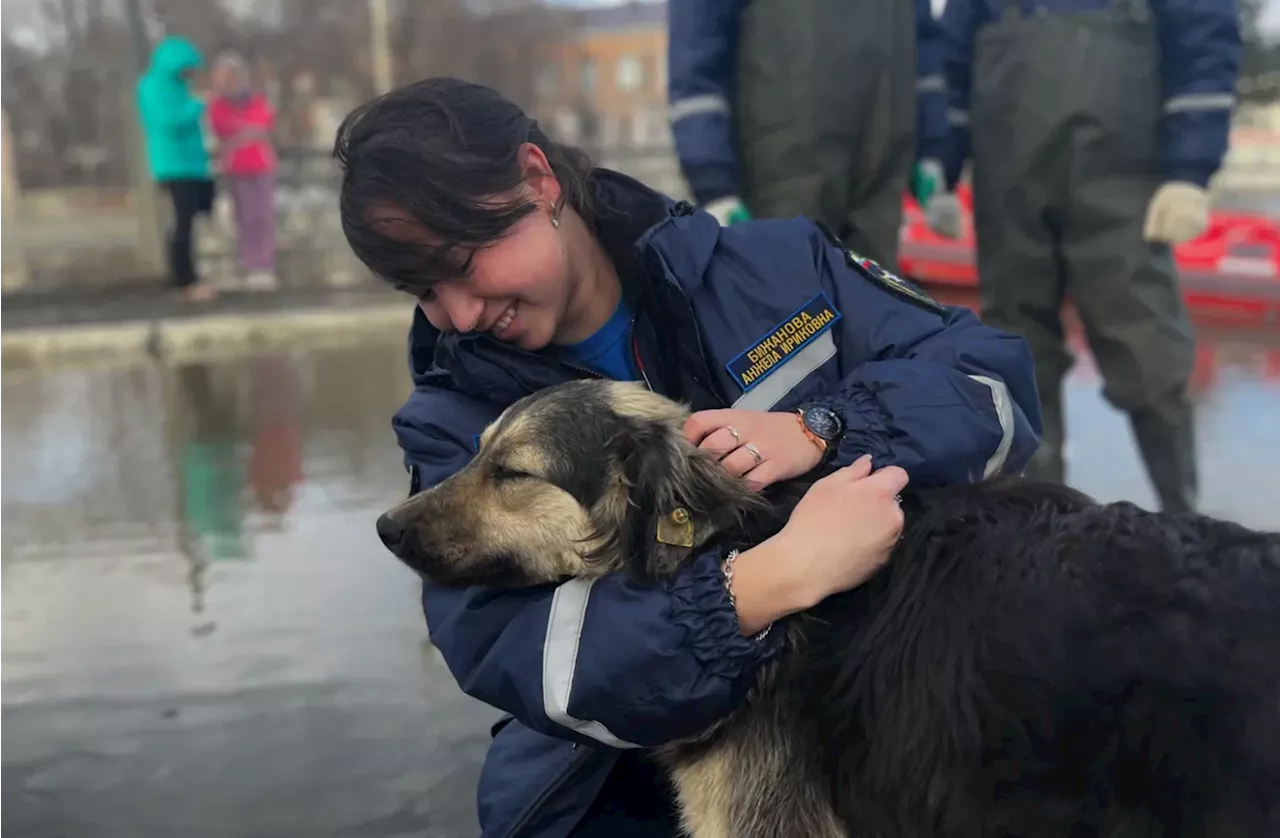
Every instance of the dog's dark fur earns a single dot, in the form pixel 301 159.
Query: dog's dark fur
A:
pixel 1029 663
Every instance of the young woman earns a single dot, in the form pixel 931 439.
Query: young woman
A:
pixel 530 268
pixel 243 119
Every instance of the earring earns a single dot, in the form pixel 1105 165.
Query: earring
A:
pixel 555 217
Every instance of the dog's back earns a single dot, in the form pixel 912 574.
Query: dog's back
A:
pixel 1031 663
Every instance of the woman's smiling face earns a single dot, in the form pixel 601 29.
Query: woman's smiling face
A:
pixel 517 288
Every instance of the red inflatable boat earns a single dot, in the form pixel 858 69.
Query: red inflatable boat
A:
pixel 1232 270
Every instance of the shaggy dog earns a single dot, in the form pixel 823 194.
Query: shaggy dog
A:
pixel 1028 663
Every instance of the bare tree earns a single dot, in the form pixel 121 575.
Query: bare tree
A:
pixel 64 66
pixel 70 65
pixel 500 43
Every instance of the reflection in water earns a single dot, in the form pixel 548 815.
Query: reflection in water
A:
pixel 201 632
pixel 238 449
pixel 1235 387
pixel 275 459
pixel 199 458
pixel 225 484
pixel 210 477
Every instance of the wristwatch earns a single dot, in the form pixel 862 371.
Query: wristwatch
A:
pixel 823 426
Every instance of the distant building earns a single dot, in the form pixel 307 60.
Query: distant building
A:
pixel 605 86
pixel 604 89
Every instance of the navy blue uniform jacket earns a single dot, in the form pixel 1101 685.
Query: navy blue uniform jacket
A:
pixel 764 315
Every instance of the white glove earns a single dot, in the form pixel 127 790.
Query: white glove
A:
pixel 728 210
pixel 1178 212
pixel 944 215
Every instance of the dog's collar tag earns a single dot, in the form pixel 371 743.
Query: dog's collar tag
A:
pixel 676 529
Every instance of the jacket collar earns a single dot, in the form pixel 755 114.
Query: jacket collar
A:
pixel 636 226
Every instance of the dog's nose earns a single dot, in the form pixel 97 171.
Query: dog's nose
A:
pixel 390 531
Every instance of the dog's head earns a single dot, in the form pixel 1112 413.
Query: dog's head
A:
pixel 576 480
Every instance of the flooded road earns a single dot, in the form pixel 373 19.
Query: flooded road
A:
pixel 202 635
pixel 1236 390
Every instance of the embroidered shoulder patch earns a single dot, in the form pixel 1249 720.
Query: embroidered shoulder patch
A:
pixel 891 282
pixel 782 342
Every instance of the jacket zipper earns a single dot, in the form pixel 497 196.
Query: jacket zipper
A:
pixel 583 755
pixel 635 351
pixel 712 383
pixel 586 371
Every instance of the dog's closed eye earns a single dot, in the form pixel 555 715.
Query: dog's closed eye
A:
pixel 505 474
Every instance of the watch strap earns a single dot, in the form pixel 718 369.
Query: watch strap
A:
pixel 814 438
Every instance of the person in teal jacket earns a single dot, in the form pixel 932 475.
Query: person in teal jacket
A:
pixel 171 124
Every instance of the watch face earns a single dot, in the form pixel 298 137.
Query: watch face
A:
pixel 824 423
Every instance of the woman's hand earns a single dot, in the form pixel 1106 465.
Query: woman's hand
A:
pixel 761 446
pixel 842 532
pixel 844 528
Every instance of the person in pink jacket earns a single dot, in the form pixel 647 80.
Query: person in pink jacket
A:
pixel 242 119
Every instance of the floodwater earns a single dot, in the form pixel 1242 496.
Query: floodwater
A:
pixel 202 635
pixel 1236 389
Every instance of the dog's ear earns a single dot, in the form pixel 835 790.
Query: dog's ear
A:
pixel 678 498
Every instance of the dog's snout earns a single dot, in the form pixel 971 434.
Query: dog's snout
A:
pixel 391 532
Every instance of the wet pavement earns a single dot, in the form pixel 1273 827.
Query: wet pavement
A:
pixel 1236 390
pixel 154 300
pixel 202 635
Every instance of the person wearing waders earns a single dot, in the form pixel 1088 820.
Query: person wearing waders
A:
pixel 828 109
pixel 1095 126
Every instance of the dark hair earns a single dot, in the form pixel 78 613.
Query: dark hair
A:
pixel 439 150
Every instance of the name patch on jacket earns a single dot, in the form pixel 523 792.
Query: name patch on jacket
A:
pixel 782 342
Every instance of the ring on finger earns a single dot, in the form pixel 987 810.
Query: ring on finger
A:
pixel 734 431
pixel 754 452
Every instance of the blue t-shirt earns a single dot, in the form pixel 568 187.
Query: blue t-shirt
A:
pixel 608 351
